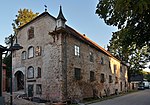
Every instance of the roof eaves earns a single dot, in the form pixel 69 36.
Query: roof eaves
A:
pixel 42 14
pixel 92 42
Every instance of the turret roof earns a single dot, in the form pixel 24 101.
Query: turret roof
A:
pixel 60 15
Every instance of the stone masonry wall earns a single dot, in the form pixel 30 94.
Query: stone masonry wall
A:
pixel 49 61
pixel 84 88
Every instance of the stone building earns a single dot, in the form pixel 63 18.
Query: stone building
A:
pixel 57 62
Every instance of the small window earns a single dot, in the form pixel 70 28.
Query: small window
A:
pixel 30 72
pixel 77 73
pixel 92 77
pixel 102 61
pixel 120 86
pixel 109 65
pixel 24 55
pixel 102 78
pixel 116 80
pixel 30 52
pixel 31 33
pixel 38 72
pixel 91 57
pixel 121 69
pixel 38 51
pixel 115 68
pixel 125 84
pixel 110 79
pixel 38 89
pixel 77 50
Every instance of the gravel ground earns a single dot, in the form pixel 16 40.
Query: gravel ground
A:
pixel 19 101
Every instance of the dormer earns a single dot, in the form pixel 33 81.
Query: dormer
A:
pixel 60 19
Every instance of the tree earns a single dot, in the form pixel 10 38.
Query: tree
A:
pixel 130 15
pixel 146 75
pixel 24 16
pixel 131 43
pixel 135 57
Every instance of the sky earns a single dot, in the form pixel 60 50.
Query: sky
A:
pixel 80 15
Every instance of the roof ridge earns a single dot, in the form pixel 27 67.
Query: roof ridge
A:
pixel 36 18
pixel 94 43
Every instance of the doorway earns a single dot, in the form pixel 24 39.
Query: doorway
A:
pixel 19 80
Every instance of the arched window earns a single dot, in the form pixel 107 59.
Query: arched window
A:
pixel 23 55
pixel 30 72
pixel 30 52
pixel 31 33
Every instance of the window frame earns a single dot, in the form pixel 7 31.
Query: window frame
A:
pixel 31 33
pixel 110 79
pixel 30 51
pixel 115 68
pixel 76 50
pixel 37 89
pixel 92 76
pixel 121 69
pixel 23 55
pixel 102 78
pixel 77 73
pixel 91 57
pixel 39 72
pixel 38 50
pixel 102 61
pixel 31 72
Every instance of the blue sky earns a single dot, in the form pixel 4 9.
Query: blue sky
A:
pixel 80 15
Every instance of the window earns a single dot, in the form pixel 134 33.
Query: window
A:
pixel 115 68
pixel 77 73
pixel 102 78
pixel 92 77
pixel 102 61
pixel 110 79
pixel 120 86
pixel 77 50
pixel 116 80
pixel 109 65
pixel 38 72
pixel 30 52
pixel 121 69
pixel 91 57
pixel 38 51
pixel 30 72
pixel 38 89
pixel 24 55
pixel 31 33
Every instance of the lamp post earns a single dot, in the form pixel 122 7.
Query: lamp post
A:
pixel 12 48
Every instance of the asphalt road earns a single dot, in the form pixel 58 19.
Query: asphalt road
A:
pixel 137 98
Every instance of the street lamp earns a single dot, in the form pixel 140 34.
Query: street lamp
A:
pixel 12 48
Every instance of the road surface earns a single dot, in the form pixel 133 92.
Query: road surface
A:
pixel 137 98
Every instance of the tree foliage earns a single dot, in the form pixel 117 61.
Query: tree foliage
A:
pixel 146 75
pixel 131 43
pixel 135 57
pixel 24 16
pixel 130 15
